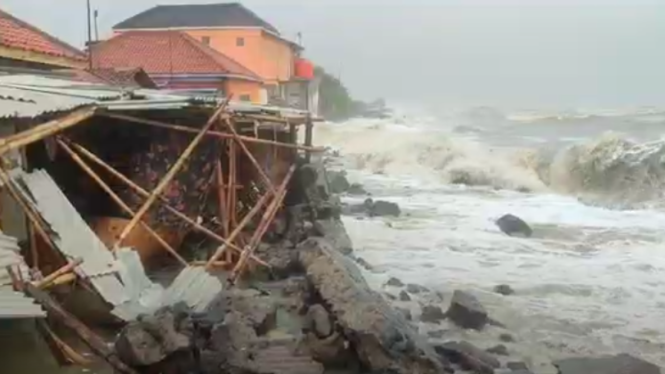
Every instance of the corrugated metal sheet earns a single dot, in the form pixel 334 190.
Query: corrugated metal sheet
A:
pixel 14 304
pixel 193 285
pixel 73 236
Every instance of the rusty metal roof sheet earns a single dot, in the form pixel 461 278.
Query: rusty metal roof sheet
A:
pixel 72 236
pixel 14 304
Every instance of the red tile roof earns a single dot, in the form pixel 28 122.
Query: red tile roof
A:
pixel 18 34
pixel 166 52
pixel 130 77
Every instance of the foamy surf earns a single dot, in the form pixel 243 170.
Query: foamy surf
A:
pixel 588 282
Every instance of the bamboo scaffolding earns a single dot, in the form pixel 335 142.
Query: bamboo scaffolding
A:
pixel 221 197
pixel 33 216
pixel 267 218
pixel 77 159
pixel 63 270
pixel 231 193
pixel 45 130
pixel 138 189
pixel 249 155
pixel 161 186
pixel 218 134
pixel 257 207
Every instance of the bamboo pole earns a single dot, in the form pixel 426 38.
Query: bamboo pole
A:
pixel 161 186
pixel 218 134
pixel 164 202
pixel 63 279
pixel 77 159
pixel 33 216
pixel 91 339
pixel 231 196
pixel 259 204
pixel 251 157
pixel 267 218
pixel 221 197
pixel 45 130
pixel 63 270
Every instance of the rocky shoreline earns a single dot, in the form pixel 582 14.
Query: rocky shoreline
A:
pixel 314 312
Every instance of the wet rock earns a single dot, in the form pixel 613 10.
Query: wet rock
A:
pixel 416 289
pixel 469 357
pixel 153 338
pixel 438 334
pixel 394 282
pixel 619 364
pixel 334 232
pixel 331 351
pixel 404 296
pixel 380 208
pixel 506 338
pixel 514 226
pixel 504 289
pixel 517 365
pixel 282 259
pixel 432 314
pixel 390 296
pixel 337 181
pixel 381 336
pixel 366 265
pixel 406 312
pixel 356 189
pixel 466 311
pixel 318 321
pixel 499 350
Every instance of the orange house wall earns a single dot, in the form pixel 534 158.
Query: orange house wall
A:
pixel 267 56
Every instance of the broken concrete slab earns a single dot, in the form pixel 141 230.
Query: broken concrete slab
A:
pixel 382 337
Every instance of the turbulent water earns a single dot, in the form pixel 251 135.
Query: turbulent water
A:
pixel 590 281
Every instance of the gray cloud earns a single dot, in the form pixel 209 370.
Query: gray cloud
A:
pixel 445 53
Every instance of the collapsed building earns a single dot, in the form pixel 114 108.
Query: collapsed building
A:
pixel 197 226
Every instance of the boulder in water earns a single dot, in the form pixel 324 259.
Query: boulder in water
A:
pixel 619 364
pixel 469 357
pixel 404 296
pixel 380 208
pixel 394 282
pixel 499 350
pixel 432 314
pixel 337 181
pixel 514 226
pixel 356 189
pixel 504 289
pixel 466 311
pixel 416 288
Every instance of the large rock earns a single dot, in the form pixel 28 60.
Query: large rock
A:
pixel 394 282
pixel 382 337
pixel 469 357
pixel 619 364
pixel 337 181
pixel 514 226
pixel 466 311
pixel 334 232
pixel 318 320
pixel 432 314
pixel 380 208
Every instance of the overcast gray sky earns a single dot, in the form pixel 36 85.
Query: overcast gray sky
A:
pixel 447 53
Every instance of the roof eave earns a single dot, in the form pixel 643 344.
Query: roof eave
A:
pixel 42 58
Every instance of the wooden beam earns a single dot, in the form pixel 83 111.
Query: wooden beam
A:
pixel 218 134
pixel 45 130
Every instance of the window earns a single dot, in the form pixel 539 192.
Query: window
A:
pixel 240 42
pixel 245 98
pixel 205 40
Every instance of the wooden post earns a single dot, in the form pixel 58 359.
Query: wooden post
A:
pixel 257 207
pixel 45 130
pixel 138 189
pixel 63 270
pixel 309 134
pixel 267 218
pixel 221 197
pixel 251 157
pixel 217 134
pixel 118 201
pixel 293 137
pixel 231 196
pixel 92 340
pixel 161 186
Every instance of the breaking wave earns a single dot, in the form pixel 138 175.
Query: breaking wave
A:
pixel 610 171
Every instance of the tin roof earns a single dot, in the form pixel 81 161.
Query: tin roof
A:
pixel 14 304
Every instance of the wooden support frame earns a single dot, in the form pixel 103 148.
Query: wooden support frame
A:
pixel 139 190
pixel 118 201
pixel 249 155
pixel 218 134
pixel 267 218
pixel 63 270
pixel 161 186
